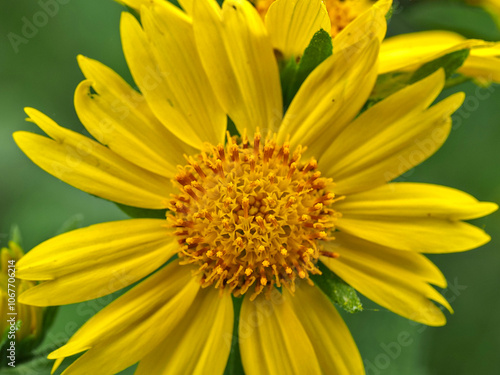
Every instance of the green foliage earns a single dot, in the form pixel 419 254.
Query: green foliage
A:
pixel 390 13
pixel 231 128
pixel 234 365
pixel 142 213
pixel 293 74
pixel 450 63
pixel 38 365
pixel 389 83
pixel 337 290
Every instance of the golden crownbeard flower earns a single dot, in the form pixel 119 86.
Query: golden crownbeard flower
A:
pixel 27 319
pixel 406 52
pixel 251 216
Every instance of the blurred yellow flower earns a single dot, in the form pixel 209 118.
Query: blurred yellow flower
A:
pixel 248 214
pixel 28 318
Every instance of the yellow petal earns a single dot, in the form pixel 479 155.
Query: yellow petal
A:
pixel 135 4
pixel 414 49
pixel 206 329
pixel 56 365
pixel 95 261
pixel 119 117
pixel 331 97
pixel 272 339
pixel 292 23
pixel 395 149
pixel 187 5
pixel 333 344
pixel 165 65
pixel 374 129
pixel 370 22
pixel 238 57
pixel 396 280
pixel 424 235
pixel 486 68
pixel 414 200
pixel 486 50
pixel 91 167
pixel 133 325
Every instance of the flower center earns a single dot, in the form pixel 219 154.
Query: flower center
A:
pixel 252 214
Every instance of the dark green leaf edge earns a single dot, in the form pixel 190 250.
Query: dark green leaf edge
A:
pixel 337 290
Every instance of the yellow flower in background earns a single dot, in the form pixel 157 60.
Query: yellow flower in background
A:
pixel 247 214
pixel 28 318
pixel 405 52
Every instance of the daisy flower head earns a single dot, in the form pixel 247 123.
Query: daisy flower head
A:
pixel 253 215
pixel 22 327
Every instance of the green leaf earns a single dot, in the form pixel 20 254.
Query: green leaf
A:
pixel 337 290
pixel 234 365
pixel 318 50
pixel 390 13
pixel 288 72
pixel 450 63
pixel 231 128
pixel 5 335
pixel 49 316
pixel 142 213
pixel 386 85
pixel 389 83
pixel 293 74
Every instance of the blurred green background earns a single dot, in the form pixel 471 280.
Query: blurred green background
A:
pixel 42 72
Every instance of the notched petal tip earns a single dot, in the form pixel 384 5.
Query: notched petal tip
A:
pixel 31 112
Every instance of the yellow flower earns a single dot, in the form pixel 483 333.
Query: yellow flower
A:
pixel 28 319
pixel 406 52
pixel 247 214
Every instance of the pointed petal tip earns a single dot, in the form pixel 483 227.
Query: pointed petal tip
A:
pixel 56 365
pixel 67 350
pixel 17 136
pixel 490 207
pixel 31 112
pixel 80 58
